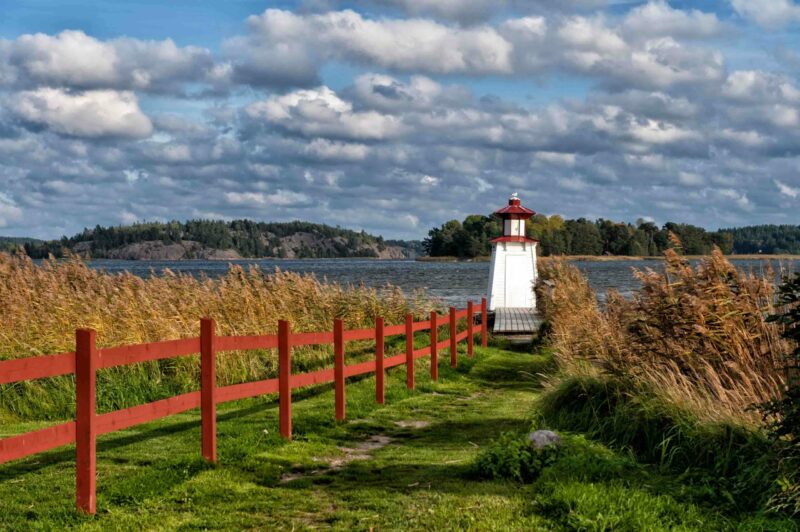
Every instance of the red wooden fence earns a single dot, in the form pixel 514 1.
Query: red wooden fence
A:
pixel 87 360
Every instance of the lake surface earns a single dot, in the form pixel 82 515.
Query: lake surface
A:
pixel 453 282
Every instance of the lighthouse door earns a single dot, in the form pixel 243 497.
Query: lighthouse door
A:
pixel 517 281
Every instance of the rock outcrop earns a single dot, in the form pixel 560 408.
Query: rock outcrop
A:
pixel 158 250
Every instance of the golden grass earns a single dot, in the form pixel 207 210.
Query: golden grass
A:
pixel 41 306
pixel 698 335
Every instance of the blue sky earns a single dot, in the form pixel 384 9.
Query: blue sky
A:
pixel 426 110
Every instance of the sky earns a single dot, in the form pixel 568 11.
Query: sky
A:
pixel 394 116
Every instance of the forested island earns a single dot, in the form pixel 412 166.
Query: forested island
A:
pixel 557 236
pixel 12 243
pixel 210 239
pixel 467 239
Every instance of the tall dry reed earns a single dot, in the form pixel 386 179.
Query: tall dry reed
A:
pixel 697 335
pixel 42 305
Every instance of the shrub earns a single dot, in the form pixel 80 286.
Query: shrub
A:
pixel 512 457
pixel 697 334
pixel 733 463
pixel 783 413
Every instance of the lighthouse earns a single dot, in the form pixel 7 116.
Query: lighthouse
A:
pixel 513 268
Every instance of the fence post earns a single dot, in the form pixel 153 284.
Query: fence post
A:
pixel 379 339
pixel 86 363
pixel 284 377
pixel 470 329
pixel 453 344
pixel 484 325
pixel 434 351
pixel 338 368
pixel 208 390
pixel 409 351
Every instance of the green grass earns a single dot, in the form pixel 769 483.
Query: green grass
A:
pixel 735 465
pixel 151 476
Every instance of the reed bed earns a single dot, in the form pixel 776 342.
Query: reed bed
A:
pixel 43 304
pixel 696 335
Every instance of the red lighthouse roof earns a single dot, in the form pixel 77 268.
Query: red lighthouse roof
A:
pixel 514 209
pixel 514 216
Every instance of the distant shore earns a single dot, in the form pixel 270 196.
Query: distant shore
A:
pixel 616 258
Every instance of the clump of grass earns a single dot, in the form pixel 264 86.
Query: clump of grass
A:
pixel 734 465
pixel 696 334
pixel 42 305
pixel 512 457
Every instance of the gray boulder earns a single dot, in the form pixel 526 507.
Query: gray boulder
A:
pixel 542 439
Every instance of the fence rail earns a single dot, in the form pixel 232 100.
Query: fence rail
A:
pixel 87 359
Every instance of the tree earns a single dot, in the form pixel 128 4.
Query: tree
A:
pixel 583 237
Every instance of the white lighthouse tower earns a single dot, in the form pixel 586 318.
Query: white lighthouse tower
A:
pixel 513 268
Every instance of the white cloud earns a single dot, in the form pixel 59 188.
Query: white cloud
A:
pixel 281 41
pixel 691 179
pixel 757 86
pixel 658 19
pixel 750 138
pixel 560 159
pixel 574 184
pixel 280 198
pixel 739 199
pixel 74 59
pixel 389 94
pixel 327 150
pixel 321 112
pixel 9 211
pixel 768 13
pixel 97 113
pixel 786 190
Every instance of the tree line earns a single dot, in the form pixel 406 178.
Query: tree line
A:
pixel 772 239
pixel 557 236
pixel 248 238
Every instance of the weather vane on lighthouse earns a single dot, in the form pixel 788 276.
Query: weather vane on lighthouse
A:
pixel 513 267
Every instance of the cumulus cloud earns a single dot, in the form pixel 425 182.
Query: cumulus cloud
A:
pixel 287 49
pixel 95 113
pixel 321 112
pixel 786 190
pixel 768 13
pixel 294 46
pixel 658 19
pixel 281 198
pixel 9 211
pixel 468 12
pixel 74 59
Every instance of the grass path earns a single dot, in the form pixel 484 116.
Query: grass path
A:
pixel 403 466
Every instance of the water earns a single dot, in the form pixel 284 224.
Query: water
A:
pixel 452 282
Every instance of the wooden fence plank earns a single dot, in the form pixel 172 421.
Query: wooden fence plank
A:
pixel 208 390
pixel 453 340
pixel 434 351
pixel 284 377
pixel 379 354
pixel 29 368
pixel 470 329
pixel 338 368
pixel 245 343
pixel 110 357
pixel 86 362
pixel 136 415
pixel 37 441
pixel 484 324
pixel 409 351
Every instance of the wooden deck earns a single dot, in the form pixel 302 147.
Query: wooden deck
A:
pixel 515 320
